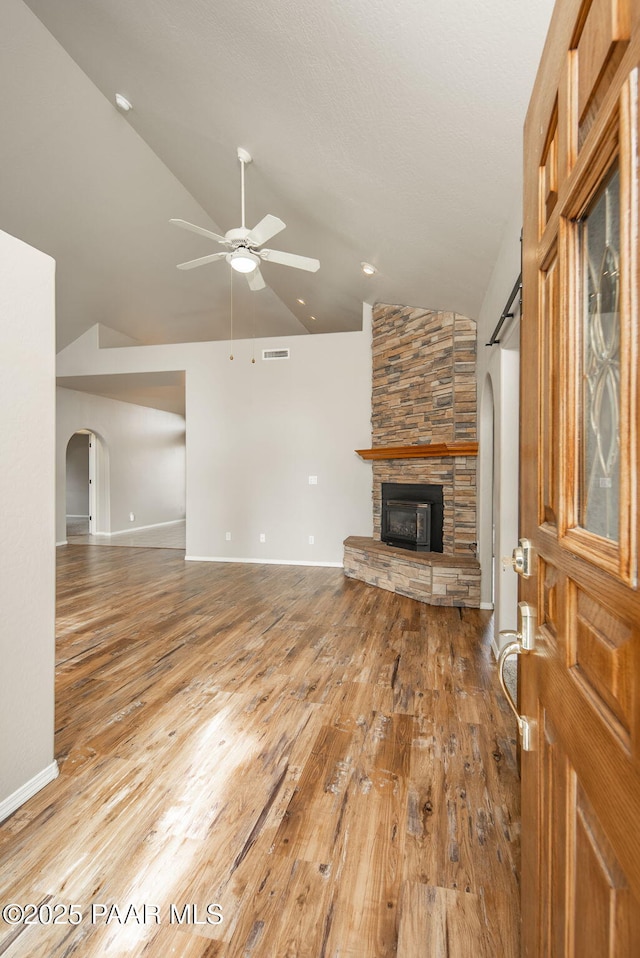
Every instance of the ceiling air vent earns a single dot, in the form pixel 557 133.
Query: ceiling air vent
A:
pixel 275 353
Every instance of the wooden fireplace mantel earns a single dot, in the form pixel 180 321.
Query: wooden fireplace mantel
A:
pixel 430 450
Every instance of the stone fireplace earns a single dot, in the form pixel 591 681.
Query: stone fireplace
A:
pixel 423 432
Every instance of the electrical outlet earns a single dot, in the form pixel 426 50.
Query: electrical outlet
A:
pixel 312 540
pixel 263 538
pixel 227 536
pixel 313 480
pixel 131 517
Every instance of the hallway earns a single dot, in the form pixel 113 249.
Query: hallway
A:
pixel 331 764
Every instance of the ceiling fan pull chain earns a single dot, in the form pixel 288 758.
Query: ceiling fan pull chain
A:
pixel 231 315
pixel 253 331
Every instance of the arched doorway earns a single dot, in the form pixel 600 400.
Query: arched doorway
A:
pixel 498 481
pixel 87 500
pixel 506 465
pixel 486 503
pixel 79 481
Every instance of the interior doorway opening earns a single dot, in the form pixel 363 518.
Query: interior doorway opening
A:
pixel 486 503
pixel 506 499
pixel 498 476
pixel 87 502
pixel 80 483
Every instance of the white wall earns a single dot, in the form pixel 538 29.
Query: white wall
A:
pixel 27 557
pixel 498 379
pixel 141 463
pixel 256 432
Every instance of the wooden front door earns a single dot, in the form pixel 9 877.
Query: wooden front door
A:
pixel 580 399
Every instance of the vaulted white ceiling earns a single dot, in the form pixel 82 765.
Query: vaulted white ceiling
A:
pixel 385 132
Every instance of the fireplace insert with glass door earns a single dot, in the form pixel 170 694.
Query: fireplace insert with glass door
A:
pixel 407 524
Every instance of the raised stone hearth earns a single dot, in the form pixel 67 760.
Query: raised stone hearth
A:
pixel 427 576
pixel 424 395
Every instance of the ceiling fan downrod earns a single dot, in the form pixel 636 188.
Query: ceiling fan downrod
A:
pixel 245 157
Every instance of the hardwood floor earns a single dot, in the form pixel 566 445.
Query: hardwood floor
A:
pixel 169 535
pixel 330 763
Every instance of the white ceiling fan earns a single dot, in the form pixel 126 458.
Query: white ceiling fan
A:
pixel 243 244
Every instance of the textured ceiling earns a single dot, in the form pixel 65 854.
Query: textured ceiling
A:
pixel 381 132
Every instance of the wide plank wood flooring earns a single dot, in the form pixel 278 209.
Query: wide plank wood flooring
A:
pixel 168 535
pixel 332 764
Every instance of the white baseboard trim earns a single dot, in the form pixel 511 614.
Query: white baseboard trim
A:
pixel 28 790
pixel 154 525
pixel 63 542
pixel 487 605
pixel 328 565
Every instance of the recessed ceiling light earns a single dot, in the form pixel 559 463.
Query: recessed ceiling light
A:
pixel 301 301
pixel 312 317
pixel 122 103
pixel 368 269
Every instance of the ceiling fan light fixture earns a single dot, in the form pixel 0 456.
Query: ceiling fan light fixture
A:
pixel 243 260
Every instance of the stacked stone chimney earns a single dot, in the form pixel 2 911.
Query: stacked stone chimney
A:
pixel 424 390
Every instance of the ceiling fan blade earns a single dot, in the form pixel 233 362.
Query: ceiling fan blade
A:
pixel 255 280
pixel 198 229
pixel 202 260
pixel 267 227
pixel 290 259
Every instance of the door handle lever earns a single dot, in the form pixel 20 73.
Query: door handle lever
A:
pixel 520 643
